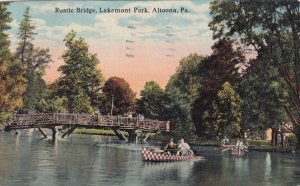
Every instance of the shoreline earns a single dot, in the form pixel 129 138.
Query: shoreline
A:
pixel 255 145
pixel 158 138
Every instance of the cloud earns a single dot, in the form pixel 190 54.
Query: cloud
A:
pixel 45 8
pixel 14 24
pixel 151 26
pixel 37 22
pixel 106 34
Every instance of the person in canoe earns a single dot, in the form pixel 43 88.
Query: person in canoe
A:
pixel 170 147
pixel 183 148
pixel 240 146
pixel 225 141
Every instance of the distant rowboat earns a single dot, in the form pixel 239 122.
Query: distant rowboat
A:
pixel 149 155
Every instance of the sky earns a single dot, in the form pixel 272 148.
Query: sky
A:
pixel 138 47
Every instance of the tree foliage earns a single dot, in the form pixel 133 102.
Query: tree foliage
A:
pixel 182 90
pixel 34 61
pixel 153 103
pixel 81 80
pixel 12 83
pixel 52 102
pixel 229 111
pixel 215 70
pixel 272 29
pixel 223 116
pixel 261 109
pixel 119 98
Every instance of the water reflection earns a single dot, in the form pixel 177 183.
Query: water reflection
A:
pixel 29 159
pixel 165 171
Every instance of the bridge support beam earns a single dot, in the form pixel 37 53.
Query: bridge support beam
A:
pixel 69 132
pixel 42 132
pixel 144 136
pixel 120 134
pixel 7 129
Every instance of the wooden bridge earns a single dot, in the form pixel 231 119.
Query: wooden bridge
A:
pixel 69 121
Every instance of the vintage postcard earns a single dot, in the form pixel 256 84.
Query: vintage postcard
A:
pixel 195 92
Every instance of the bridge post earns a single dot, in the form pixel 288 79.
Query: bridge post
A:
pixel 144 136
pixel 54 131
pixel 132 135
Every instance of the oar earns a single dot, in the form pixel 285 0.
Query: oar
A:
pixel 158 151
pixel 227 149
pixel 197 158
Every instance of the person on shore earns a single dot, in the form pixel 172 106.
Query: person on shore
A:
pixel 183 148
pixel 286 143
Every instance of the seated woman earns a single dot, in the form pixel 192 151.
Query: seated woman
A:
pixel 183 148
pixel 225 141
pixel 170 147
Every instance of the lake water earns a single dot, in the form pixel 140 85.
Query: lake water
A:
pixel 29 159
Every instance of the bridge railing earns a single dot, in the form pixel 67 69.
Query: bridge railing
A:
pixel 87 119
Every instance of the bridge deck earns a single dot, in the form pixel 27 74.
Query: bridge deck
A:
pixel 48 120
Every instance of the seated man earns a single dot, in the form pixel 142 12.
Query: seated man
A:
pixel 240 146
pixel 183 148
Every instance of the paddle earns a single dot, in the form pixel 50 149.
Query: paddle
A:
pixel 224 150
pixel 191 152
pixel 158 151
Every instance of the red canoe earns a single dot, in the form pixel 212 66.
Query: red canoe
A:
pixel 234 151
pixel 149 155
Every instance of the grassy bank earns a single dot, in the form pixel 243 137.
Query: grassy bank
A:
pixel 101 132
pixel 94 132
pixel 257 145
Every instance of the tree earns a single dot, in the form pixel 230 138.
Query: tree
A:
pixel 223 115
pixel 215 70
pixel 229 111
pixel 12 83
pixel 4 52
pixel 182 90
pixel 34 61
pixel 258 114
pixel 52 102
pixel 81 80
pixel 271 29
pixel 26 36
pixel 119 98
pixel 153 103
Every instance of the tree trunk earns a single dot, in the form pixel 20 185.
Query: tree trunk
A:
pixel 274 137
pixel 297 133
pixel 281 138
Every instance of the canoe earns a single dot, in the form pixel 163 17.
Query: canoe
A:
pixel 236 153
pixel 149 155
